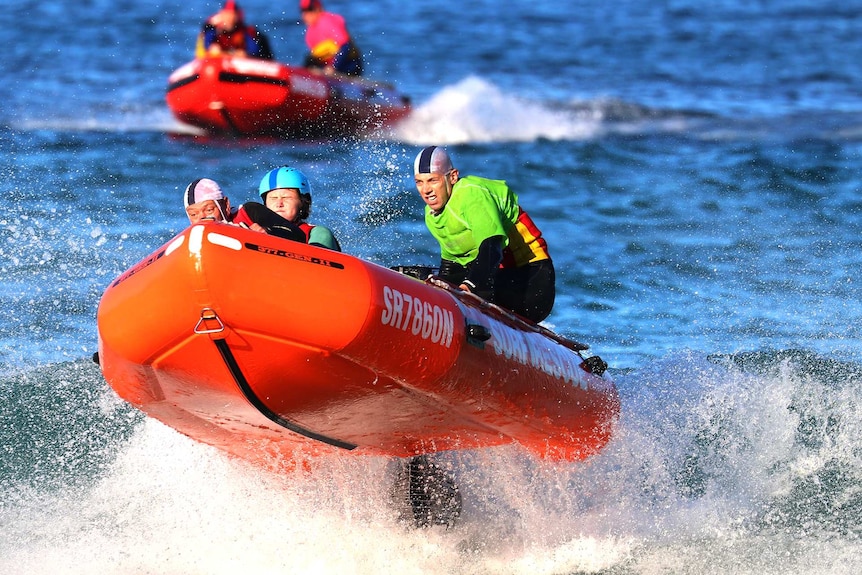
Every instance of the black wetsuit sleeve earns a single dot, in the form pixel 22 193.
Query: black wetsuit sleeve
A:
pixel 482 270
pixel 273 223
pixel 260 41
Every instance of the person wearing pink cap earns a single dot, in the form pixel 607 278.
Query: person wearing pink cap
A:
pixel 204 200
pixel 329 43
pixel 226 32
pixel 488 244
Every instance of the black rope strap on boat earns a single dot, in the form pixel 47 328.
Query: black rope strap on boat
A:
pixel 242 383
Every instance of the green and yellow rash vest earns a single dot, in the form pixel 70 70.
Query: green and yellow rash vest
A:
pixel 479 209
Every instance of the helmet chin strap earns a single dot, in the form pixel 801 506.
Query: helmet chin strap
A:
pixel 221 211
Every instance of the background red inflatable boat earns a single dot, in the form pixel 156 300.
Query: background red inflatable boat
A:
pixel 240 96
pixel 271 349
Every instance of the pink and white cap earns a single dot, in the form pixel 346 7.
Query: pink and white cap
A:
pixel 201 190
pixel 432 160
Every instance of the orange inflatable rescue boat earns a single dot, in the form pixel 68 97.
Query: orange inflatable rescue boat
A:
pixel 273 350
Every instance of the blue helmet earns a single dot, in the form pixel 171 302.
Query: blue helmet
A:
pixel 284 177
pixel 287 177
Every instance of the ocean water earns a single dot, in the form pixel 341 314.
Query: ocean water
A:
pixel 695 168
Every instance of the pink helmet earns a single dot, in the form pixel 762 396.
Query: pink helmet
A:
pixel 307 5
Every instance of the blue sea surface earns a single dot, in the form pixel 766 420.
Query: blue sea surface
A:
pixel 695 169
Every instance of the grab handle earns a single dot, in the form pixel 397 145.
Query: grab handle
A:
pixel 208 314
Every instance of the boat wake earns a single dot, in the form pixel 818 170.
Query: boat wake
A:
pixel 744 463
pixel 476 111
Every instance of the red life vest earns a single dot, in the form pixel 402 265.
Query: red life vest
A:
pixel 306 229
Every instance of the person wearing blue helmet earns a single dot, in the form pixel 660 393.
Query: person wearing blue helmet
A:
pixel 286 192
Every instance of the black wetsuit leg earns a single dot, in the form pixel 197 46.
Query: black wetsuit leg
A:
pixel 528 290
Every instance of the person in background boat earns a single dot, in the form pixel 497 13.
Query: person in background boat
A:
pixel 329 43
pixel 226 32
pixel 286 192
pixel 488 244
pixel 203 200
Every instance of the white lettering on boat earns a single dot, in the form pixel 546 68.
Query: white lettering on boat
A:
pixel 253 66
pixel 537 351
pixel 409 313
pixel 308 86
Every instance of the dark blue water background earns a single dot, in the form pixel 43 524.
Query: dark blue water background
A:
pixel 695 168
